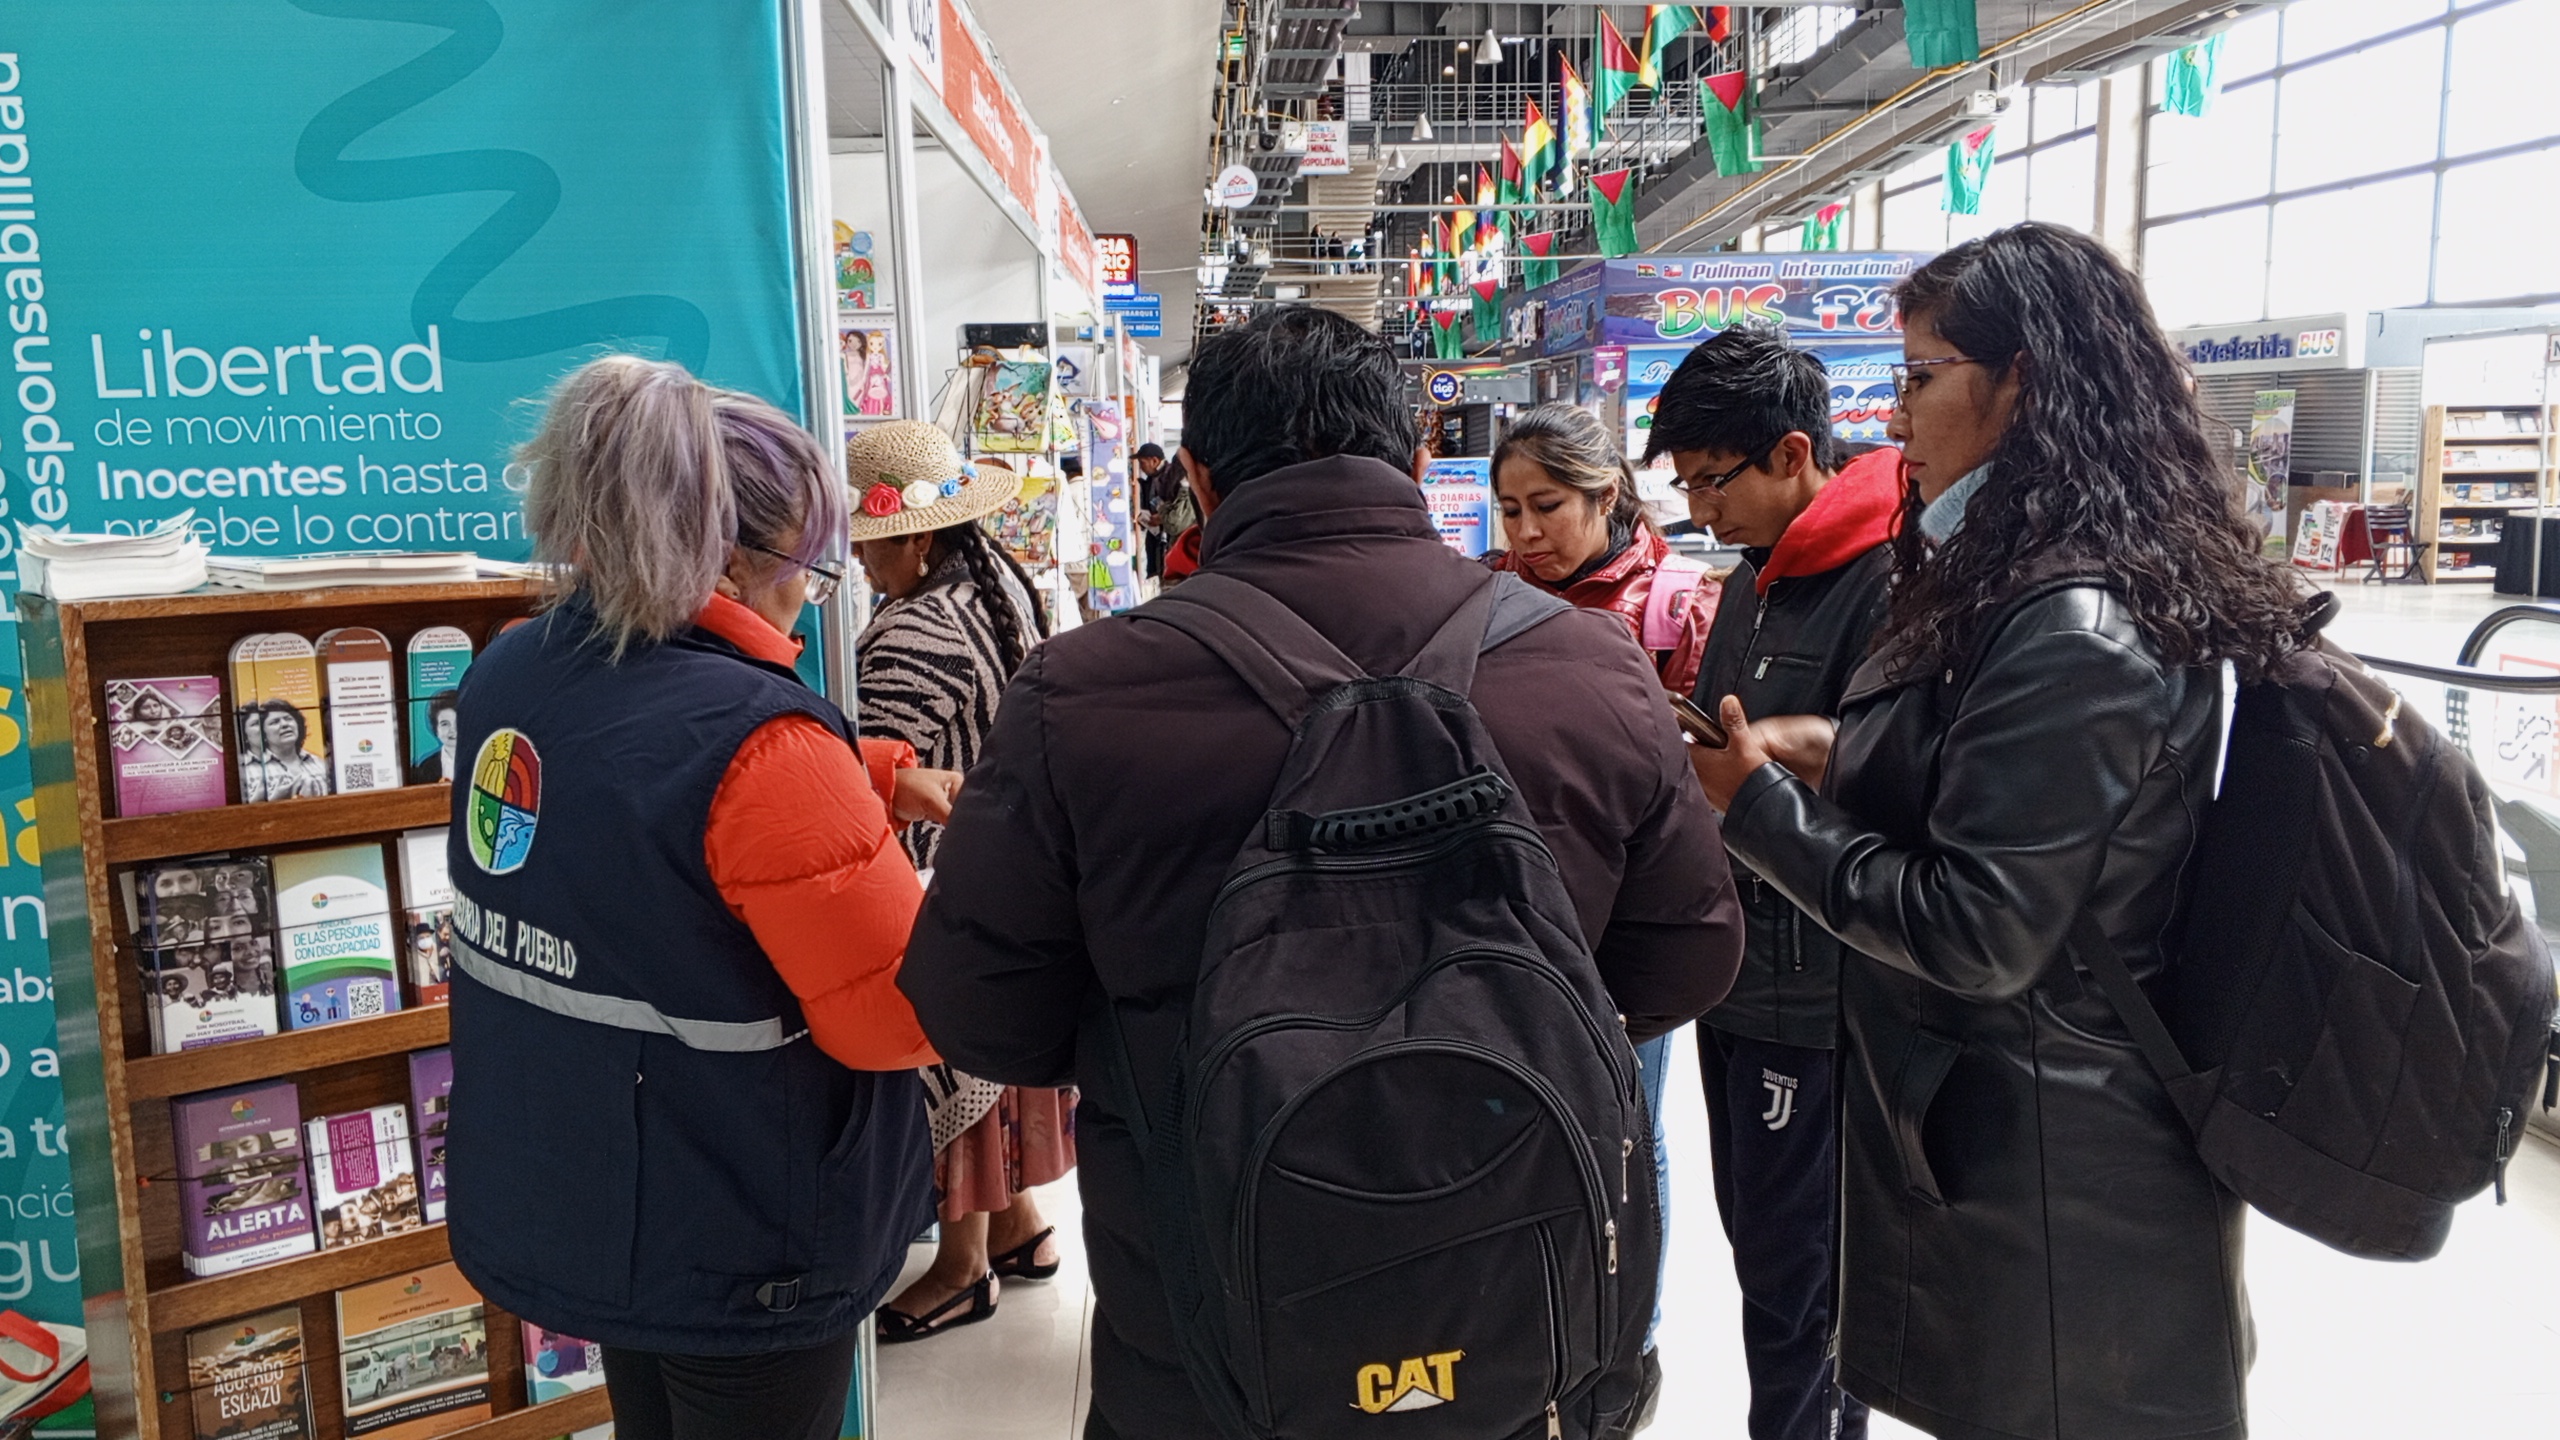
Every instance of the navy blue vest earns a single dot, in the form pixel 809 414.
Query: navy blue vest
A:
pixel 646 1149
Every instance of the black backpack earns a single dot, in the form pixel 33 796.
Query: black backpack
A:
pixel 1407 1167
pixel 2356 1007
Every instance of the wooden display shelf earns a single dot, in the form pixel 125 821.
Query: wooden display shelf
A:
pixel 219 1297
pixel 140 1302
pixel 158 1077
pixel 276 822
pixel 2446 557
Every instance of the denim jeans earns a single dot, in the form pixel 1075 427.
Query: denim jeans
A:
pixel 1653 1058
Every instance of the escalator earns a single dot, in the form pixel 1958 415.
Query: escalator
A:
pixel 2500 701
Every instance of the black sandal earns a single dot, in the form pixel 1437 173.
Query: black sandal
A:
pixel 1015 1264
pixel 896 1327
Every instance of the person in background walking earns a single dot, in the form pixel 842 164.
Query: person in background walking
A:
pixel 955 620
pixel 1746 423
pixel 2030 1247
pixel 1577 530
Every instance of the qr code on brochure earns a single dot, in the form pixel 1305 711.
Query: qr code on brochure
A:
pixel 359 775
pixel 364 998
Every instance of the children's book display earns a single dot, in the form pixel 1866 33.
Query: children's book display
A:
pixel 246 1378
pixel 870 376
pixel 413 1355
pixel 304 719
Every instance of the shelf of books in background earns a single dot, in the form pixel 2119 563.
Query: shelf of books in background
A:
pixel 251 1003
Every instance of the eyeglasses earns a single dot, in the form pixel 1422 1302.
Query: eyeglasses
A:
pixel 1717 483
pixel 1902 373
pixel 823 581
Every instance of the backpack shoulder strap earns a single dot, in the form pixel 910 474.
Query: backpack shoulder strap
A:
pixel 2097 955
pixel 1666 603
pixel 1498 611
pixel 1281 656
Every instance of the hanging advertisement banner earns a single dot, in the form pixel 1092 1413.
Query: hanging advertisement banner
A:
pixel 2271 461
pixel 399 227
pixel 1118 256
pixel 978 99
pixel 1328 148
pixel 1653 300
pixel 1235 187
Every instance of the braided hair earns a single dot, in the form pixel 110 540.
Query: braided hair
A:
pixel 988 565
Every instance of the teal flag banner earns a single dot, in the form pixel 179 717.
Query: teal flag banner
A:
pixel 307 269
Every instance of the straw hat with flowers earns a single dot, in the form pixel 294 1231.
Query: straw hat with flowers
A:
pixel 908 478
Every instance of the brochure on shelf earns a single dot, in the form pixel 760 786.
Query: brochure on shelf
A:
pixel 205 950
pixel 348 567
pixel 246 1378
pixel 242 1198
pixel 413 1355
pixel 437 657
pixel 426 892
pixel 364 1180
pixel 364 731
pixel 164 742
pixel 275 706
pixel 333 919
pixel 430 1103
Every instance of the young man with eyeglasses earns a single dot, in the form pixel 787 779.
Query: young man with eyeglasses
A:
pixel 1746 422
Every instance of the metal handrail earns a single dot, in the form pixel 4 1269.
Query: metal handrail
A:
pixel 2465 676
pixel 2497 620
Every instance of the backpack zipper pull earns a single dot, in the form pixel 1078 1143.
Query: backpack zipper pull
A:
pixel 1555 1423
pixel 1611 1230
pixel 1763 672
pixel 1626 1157
pixel 2506 1122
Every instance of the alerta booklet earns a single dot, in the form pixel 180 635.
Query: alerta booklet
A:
pixel 242 1199
pixel 333 921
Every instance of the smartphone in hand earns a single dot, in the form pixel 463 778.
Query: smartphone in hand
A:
pixel 1698 724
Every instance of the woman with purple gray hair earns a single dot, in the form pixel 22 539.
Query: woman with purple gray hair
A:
pixel 680 908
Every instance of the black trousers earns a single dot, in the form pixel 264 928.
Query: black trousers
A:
pixel 784 1395
pixel 1776 1146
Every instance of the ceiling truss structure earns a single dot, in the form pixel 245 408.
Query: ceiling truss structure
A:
pixel 1839 102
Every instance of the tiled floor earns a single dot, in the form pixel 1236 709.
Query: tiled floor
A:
pixel 2466 1345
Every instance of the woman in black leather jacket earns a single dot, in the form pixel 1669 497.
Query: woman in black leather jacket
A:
pixel 2029 1247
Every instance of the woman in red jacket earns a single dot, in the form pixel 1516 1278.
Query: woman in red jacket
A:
pixel 1578 530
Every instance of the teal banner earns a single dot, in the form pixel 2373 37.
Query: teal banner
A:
pixel 307 269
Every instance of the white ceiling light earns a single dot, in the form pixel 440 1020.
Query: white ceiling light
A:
pixel 1421 127
pixel 1490 52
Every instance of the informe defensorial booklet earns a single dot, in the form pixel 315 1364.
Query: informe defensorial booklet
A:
pixel 413 1355
pixel 333 917
pixel 246 1378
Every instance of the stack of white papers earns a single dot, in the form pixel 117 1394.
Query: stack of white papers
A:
pixel 348 567
pixel 165 559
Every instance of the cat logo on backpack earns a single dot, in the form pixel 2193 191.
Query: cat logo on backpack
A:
pixel 1414 1385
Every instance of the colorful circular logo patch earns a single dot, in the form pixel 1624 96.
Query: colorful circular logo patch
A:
pixel 506 798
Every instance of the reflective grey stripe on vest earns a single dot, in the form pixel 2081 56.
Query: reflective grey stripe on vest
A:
pixel 559 999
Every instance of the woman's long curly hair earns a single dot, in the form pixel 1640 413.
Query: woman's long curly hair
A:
pixel 2105 466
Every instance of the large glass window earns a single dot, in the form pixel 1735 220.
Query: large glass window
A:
pixel 2047 169
pixel 2501 89
pixel 2369 110
pixel 2499 217
pixel 2324 180
pixel 2204 271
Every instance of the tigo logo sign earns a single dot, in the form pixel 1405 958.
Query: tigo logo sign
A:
pixel 1416 1384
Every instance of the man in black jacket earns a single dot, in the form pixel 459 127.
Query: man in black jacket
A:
pixel 1073 888
pixel 1746 421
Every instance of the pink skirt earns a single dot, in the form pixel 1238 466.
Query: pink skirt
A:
pixel 1028 1139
